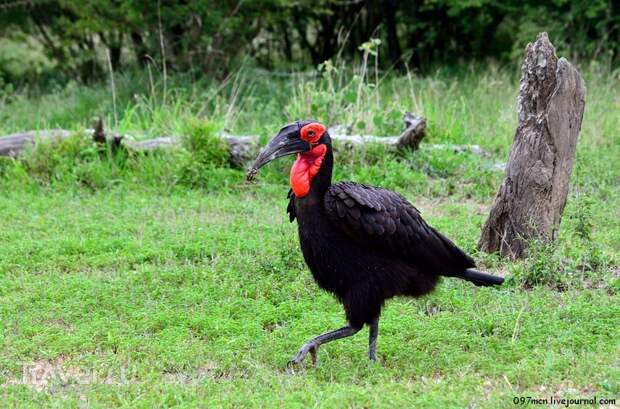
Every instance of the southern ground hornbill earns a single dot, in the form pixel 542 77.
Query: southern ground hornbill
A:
pixel 363 244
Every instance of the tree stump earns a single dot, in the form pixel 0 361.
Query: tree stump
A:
pixel 531 199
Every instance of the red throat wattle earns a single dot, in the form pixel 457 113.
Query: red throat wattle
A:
pixel 305 169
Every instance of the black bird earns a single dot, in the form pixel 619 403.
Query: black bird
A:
pixel 363 244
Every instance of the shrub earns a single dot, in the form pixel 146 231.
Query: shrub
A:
pixel 49 161
pixel 205 152
pixel 6 165
pixel 543 266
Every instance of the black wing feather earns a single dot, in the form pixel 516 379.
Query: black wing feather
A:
pixel 290 209
pixel 386 221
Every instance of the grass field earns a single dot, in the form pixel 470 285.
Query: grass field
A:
pixel 168 281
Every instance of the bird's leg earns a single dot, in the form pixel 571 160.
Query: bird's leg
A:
pixel 373 332
pixel 313 345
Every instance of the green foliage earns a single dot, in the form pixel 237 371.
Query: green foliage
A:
pixel 579 261
pixel 584 264
pixel 201 140
pixel 583 222
pixel 21 60
pixel 543 266
pixel 83 39
pixel 6 165
pixel 206 154
pixel 77 162
pixel 49 161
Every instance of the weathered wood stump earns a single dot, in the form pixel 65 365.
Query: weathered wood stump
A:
pixel 531 199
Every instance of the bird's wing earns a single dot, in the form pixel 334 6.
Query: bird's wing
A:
pixel 387 222
pixel 290 209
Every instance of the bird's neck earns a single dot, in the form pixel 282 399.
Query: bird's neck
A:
pixel 311 173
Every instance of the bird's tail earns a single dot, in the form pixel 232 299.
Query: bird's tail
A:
pixel 481 279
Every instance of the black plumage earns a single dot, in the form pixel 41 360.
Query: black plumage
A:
pixel 366 245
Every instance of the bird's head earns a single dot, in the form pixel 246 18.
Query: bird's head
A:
pixel 309 140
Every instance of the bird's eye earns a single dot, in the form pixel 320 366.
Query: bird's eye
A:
pixel 310 133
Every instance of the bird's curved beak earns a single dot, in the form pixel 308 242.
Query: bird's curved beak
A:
pixel 286 142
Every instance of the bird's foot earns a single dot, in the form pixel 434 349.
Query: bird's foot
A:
pixel 311 347
pixel 372 356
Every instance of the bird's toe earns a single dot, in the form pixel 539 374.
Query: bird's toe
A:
pixel 311 348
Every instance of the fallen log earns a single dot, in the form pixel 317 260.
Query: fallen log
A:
pixel 242 148
pixel 531 199
pixel 12 145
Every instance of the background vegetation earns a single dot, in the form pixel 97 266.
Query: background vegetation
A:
pixel 79 39
pixel 165 280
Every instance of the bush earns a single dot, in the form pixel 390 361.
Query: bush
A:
pixel 204 161
pixel 582 265
pixel 6 165
pixel 205 152
pixel 49 161
pixel 76 160
pixel 543 266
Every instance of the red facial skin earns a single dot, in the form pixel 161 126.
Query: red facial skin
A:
pixel 308 163
pixel 312 132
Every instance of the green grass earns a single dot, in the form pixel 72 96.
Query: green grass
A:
pixel 134 285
